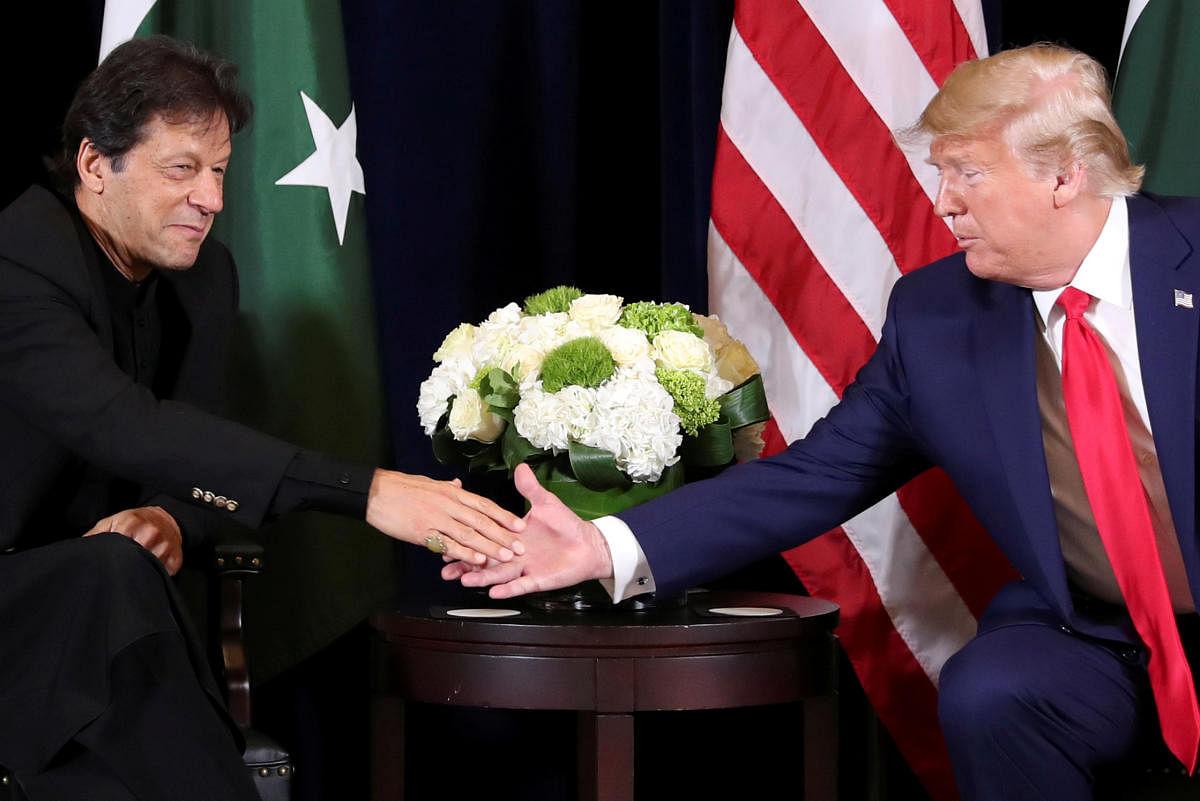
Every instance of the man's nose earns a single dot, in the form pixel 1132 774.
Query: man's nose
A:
pixel 948 202
pixel 208 194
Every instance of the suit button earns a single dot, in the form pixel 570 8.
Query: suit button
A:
pixel 231 505
pixel 220 501
pixel 344 478
pixel 208 497
pixel 197 493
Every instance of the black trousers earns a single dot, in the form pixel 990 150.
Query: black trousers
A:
pixel 114 701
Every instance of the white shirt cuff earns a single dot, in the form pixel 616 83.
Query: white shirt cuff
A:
pixel 631 571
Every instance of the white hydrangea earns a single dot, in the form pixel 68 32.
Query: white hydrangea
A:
pixel 447 380
pixel 633 418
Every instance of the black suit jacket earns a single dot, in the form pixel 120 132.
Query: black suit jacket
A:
pixel 69 416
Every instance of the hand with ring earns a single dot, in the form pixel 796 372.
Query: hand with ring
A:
pixel 443 517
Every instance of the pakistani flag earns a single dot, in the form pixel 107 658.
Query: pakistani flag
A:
pixel 306 366
pixel 1157 84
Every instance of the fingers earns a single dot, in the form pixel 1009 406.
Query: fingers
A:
pixel 456 570
pixel 153 528
pixel 511 589
pixel 528 485
pixel 412 508
pixel 495 574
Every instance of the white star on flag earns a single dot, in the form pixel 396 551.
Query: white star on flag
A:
pixel 333 165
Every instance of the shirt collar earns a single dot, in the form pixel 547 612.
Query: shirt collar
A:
pixel 1104 273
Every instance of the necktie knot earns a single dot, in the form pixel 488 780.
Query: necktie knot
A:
pixel 1074 302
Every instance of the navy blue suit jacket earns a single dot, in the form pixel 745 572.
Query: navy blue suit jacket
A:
pixel 952 384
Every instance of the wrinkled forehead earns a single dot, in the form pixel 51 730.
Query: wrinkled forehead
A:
pixel 211 129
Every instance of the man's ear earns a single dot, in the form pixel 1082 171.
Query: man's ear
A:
pixel 90 165
pixel 1068 183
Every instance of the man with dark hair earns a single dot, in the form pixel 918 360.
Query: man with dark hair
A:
pixel 115 317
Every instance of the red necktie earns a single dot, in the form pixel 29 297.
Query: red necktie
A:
pixel 1122 514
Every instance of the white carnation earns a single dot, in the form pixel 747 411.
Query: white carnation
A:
pixel 447 380
pixel 596 311
pixel 505 315
pixel 715 386
pixel 680 350
pixel 496 337
pixel 546 419
pixel 469 418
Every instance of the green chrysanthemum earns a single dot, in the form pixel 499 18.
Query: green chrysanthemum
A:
pixel 557 299
pixel 583 361
pixel 654 318
pixel 687 389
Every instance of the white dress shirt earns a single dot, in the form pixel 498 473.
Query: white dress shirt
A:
pixel 1104 274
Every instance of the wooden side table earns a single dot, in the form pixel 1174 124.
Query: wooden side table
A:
pixel 607 667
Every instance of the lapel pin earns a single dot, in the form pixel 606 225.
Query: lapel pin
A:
pixel 1183 299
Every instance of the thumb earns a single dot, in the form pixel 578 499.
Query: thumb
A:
pixel 527 484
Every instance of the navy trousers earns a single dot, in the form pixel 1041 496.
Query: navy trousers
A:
pixel 1032 711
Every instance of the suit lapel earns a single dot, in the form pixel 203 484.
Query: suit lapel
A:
pixel 1162 261
pixel 1002 351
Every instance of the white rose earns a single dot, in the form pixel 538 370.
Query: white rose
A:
pixel 680 350
pixel 457 344
pixel 469 418
pixel 523 361
pixel 627 345
pixel 596 311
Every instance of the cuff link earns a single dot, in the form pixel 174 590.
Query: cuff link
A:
pixel 219 501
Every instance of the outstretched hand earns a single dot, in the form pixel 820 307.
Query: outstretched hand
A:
pixel 560 549
pixel 468 526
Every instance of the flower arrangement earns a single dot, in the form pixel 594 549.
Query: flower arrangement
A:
pixel 615 397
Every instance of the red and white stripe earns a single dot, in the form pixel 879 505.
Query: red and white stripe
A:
pixel 816 212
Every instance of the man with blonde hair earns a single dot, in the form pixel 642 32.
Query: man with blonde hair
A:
pixel 1050 368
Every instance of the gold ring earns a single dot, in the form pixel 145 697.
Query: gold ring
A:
pixel 436 543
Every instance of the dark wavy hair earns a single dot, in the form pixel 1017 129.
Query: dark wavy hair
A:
pixel 142 78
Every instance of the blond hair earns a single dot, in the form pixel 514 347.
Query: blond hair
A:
pixel 1049 103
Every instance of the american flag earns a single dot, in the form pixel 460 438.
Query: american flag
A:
pixel 816 212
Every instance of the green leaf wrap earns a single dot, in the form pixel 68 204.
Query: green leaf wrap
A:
pixel 590 504
pixel 746 403
pixel 596 469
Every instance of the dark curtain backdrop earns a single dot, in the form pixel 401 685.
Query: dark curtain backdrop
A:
pixel 508 145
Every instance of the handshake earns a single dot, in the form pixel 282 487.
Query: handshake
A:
pixel 484 545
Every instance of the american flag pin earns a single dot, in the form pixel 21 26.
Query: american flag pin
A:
pixel 1183 299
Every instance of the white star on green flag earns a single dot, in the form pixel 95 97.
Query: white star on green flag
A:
pixel 333 165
